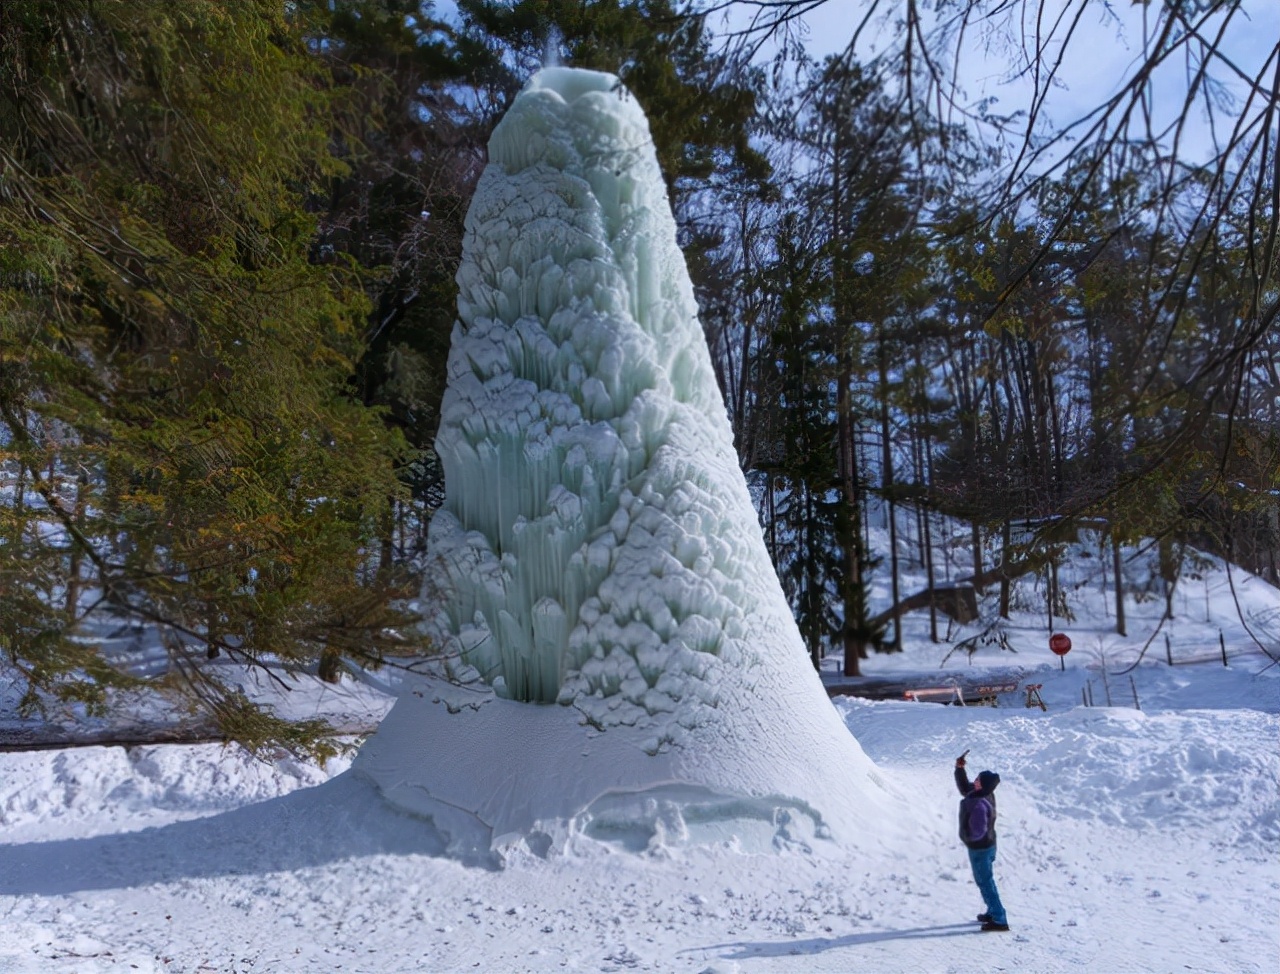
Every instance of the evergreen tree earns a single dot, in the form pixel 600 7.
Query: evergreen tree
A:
pixel 798 459
pixel 412 151
pixel 175 407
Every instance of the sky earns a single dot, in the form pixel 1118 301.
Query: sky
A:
pixel 1106 49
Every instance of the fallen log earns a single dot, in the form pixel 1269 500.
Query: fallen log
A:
pixel 921 599
pixel 14 739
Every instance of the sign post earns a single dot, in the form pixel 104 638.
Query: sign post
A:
pixel 1060 643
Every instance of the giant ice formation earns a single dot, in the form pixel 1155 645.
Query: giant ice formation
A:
pixel 598 550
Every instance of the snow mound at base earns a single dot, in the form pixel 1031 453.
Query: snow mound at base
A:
pixel 497 776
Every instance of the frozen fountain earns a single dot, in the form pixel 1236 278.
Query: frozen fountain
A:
pixel 622 663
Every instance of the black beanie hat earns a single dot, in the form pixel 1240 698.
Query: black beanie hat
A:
pixel 988 780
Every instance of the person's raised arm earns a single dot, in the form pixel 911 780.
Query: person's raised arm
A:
pixel 962 776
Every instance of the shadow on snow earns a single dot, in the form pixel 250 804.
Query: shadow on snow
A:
pixel 816 945
pixel 344 818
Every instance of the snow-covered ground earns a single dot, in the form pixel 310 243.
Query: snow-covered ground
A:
pixel 1130 840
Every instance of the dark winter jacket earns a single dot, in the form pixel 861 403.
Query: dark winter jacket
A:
pixel 977 810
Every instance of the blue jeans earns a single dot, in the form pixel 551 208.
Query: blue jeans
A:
pixel 982 861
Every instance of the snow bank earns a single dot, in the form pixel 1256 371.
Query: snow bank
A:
pixel 1211 775
pixel 598 547
pixel 80 792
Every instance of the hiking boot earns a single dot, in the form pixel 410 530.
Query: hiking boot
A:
pixel 984 917
pixel 992 927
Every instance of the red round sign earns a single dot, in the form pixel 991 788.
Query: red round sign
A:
pixel 1060 643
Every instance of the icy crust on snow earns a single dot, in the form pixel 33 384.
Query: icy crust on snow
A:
pixel 598 547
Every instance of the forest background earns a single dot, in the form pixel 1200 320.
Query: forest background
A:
pixel 228 238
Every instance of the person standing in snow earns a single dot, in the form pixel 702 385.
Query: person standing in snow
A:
pixel 978 833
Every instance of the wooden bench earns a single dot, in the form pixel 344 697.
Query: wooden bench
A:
pixel 945 694
pixel 985 694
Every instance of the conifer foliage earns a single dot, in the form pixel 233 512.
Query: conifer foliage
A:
pixel 179 445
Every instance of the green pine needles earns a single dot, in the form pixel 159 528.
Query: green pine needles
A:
pixel 180 448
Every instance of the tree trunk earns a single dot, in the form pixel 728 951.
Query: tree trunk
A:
pixel 1055 443
pixel 1102 564
pixel 402 526
pixel 771 512
pixel 211 635
pixel 929 583
pixel 1051 588
pixel 387 546
pixel 851 544
pixel 1115 562
pixel 1170 561
pixel 918 514
pixel 811 585
pixel 887 484
pixel 1006 539
pixel 740 424
pixel 76 555
pixel 924 478
pixel 330 668
pixel 976 534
